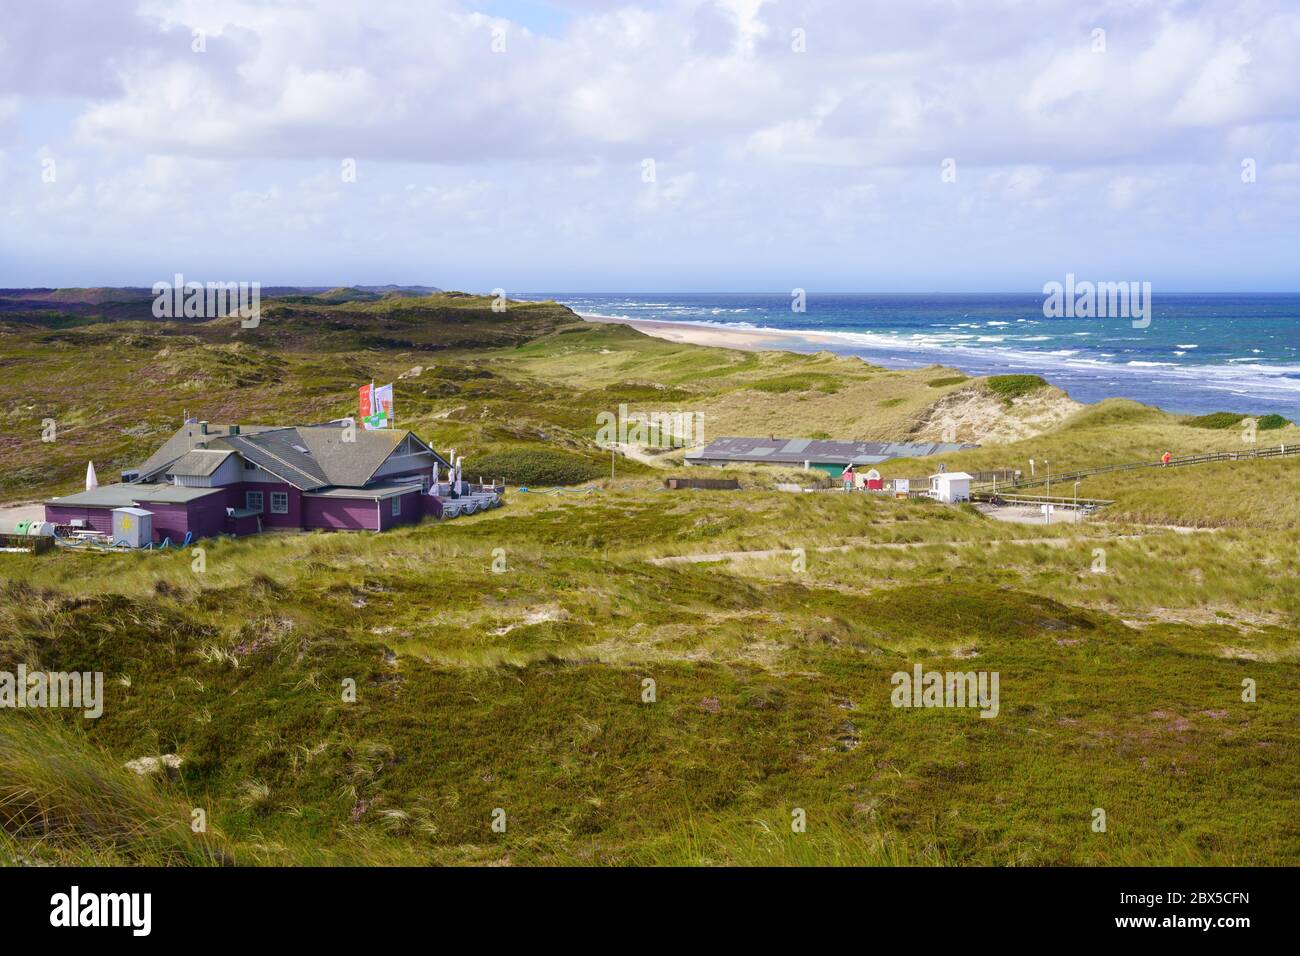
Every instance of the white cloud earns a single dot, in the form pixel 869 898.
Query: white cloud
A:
pixel 545 140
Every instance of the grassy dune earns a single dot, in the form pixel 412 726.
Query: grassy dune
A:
pixel 1116 431
pixel 524 690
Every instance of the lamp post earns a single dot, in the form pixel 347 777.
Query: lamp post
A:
pixel 1076 496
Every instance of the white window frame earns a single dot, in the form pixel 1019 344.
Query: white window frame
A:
pixel 249 497
pixel 285 496
pixel 397 506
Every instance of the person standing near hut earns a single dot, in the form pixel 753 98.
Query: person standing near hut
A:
pixel 847 477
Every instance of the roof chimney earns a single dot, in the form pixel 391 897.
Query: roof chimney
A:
pixel 203 428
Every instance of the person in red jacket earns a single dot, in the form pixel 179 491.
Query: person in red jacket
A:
pixel 1164 459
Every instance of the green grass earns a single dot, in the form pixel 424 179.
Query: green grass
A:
pixel 500 660
pixel 1011 387
pixel 1113 431
pixel 64 800
pixel 781 384
pixel 772 687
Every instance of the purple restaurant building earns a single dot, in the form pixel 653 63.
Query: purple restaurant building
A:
pixel 209 480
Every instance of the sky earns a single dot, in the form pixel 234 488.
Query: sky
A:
pixel 679 145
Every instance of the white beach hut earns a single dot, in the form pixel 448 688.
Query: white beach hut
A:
pixel 950 486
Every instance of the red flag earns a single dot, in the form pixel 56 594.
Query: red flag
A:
pixel 365 401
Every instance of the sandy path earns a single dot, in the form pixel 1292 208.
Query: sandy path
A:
pixel 11 514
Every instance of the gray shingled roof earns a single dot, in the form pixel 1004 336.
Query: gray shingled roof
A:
pixel 308 457
pixel 274 451
pixel 199 463
pixel 353 463
pixel 798 450
pixel 185 439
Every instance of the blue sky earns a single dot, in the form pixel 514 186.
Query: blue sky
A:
pixel 537 16
pixel 691 145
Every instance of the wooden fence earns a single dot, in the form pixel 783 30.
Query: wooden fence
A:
pixel 711 484
pixel 36 544
pixel 1067 476
pixel 1063 501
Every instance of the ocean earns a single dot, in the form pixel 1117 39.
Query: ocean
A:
pixel 1200 353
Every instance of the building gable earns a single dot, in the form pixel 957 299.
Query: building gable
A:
pixel 411 454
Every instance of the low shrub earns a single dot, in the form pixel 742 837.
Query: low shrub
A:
pixel 1214 420
pixel 534 466
pixel 1011 387
pixel 796 383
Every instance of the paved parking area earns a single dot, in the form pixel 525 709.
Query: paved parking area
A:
pixel 11 514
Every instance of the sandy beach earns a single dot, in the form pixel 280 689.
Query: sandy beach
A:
pixel 748 339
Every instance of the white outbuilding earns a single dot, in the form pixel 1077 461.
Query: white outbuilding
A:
pixel 132 527
pixel 950 486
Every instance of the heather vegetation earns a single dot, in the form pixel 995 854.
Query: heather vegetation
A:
pixel 500 662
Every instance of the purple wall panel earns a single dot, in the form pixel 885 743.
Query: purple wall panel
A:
pixel 411 511
pixel 242 526
pixel 169 521
pixel 341 514
pixel 101 519
pixel 207 517
pixel 204 516
pixel 412 508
